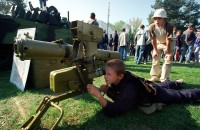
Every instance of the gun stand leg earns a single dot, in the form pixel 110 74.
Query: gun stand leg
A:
pixel 34 121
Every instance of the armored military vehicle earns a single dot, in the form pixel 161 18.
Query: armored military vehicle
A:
pixel 49 27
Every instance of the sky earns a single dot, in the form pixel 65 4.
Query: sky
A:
pixel 119 9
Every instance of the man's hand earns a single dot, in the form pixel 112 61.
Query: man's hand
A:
pixel 104 88
pixel 155 53
pixel 169 57
pixel 93 90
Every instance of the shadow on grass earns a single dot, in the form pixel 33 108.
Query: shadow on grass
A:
pixel 7 89
pixel 191 65
pixel 171 117
pixel 190 86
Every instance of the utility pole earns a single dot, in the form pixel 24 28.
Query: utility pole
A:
pixel 108 16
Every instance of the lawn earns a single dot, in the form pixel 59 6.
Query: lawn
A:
pixel 84 111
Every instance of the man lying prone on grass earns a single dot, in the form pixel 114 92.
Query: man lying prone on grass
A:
pixel 129 91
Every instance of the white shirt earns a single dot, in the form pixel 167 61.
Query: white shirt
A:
pixel 141 36
pixel 122 39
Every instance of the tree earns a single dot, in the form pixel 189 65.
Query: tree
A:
pixel 5 5
pixel 135 24
pixel 118 25
pixel 179 12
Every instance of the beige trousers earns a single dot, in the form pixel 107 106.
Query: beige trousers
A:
pixel 167 63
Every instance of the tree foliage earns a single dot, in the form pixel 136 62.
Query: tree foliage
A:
pixel 179 12
pixel 135 24
pixel 131 27
pixel 118 25
pixel 5 5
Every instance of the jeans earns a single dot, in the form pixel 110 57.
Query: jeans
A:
pixel 122 52
pixel 168 93
pixel 139 53
pixel 42 3
pixel 147 52
pixel 196 54
pixel 185 48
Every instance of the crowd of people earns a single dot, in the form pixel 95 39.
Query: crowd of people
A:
pixel 160 40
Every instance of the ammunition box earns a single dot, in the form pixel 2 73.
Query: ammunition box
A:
pixel 64 80
pixel 39 72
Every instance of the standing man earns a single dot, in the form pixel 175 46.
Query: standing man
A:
pixel 189 39
pixel 104 42
pixel 140 40
pixel 123 44
pixel 161 34
pixel 43 4
pixel 93 20
pixel 116 40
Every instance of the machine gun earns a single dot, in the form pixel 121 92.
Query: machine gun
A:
pixel 83 60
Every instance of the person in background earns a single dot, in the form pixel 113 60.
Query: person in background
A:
pixel 123 44
pixel 197 46
pixel 93 20
pixel 173 43
pixel 148 49
pixel 161 34
pixel 129 91
pixel 140 40
pixel 104 42
pixel 178 45
pixel 111 43
pixel 116 40
pixel 43 4
pixel 188 45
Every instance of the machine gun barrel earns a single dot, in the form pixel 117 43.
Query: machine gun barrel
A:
pixel 27 49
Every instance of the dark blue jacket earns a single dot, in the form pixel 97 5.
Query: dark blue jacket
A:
pixel 105 39
pixel 126 95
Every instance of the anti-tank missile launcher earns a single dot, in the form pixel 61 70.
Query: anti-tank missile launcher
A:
pixel 83 60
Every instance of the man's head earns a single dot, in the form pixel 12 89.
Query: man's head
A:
pixel 178 32
pixel 114 71
pixel 190 26
pixel 160 17
pixel 142 26
pixel 92 15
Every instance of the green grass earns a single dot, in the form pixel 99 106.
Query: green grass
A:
pixel 84 111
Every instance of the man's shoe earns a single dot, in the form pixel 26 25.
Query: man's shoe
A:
pixel 148 108
pixel 154 79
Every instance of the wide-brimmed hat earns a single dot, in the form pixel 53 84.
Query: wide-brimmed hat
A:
pixel 161 13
